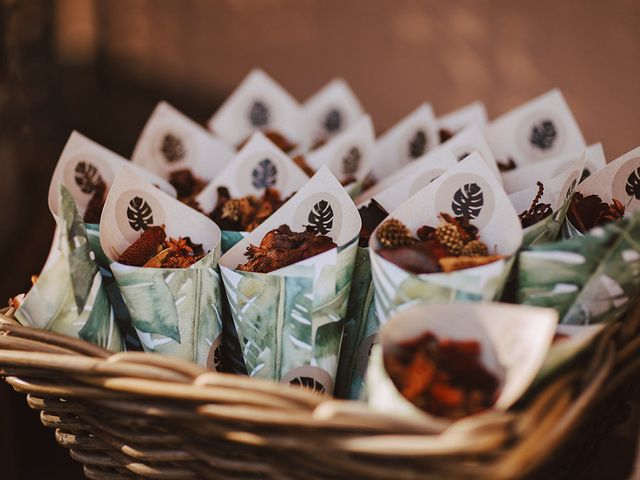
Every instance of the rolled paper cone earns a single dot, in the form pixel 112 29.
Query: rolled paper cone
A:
pixel 257 103
pixel 175 311
pixel 541 128
pixel 69 296
pixel 593 278
pixel 499 229
pixel 514 341
pixel 258 165
pixel 473 114
pixel 290 321
pixel 556 196
pixel 360 330
pixel 331 110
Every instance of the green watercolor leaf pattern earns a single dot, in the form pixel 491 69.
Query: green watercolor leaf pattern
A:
pixel 69 296
pixel 284 322
pixel 176 312
pixel 589 279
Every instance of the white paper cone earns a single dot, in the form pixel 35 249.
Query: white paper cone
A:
pixel 258 103
pixel 331 110
pixel 408 140
pixel 175 312
pixel 82 163
pixel 514 342
pixel 539 129
pixel 471 115
pixel 171 141
pixel 494 216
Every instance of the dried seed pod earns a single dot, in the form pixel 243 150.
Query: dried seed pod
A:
pixel 140 251
pixel 393 234
pixel 449 236
pixel 232 210
pixel 475 248
pixel 452 264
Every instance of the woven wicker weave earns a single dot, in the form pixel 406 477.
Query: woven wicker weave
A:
pixel 136 415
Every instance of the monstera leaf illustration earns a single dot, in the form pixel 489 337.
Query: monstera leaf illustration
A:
pixel 543 135
pixel 265 174
pixel 333 121
pixel 259 114
pixel 87 177
pixel 173 148
pixel 468 201
pixel 351 161
pixel 139 214
pixel 418 144
pixel 308 383
pixel 321 217
pixel 633 184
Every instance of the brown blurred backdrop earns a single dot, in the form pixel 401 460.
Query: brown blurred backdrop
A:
pixel 100 67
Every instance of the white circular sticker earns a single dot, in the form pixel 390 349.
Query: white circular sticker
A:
pixel 137 210
pixel 311 378
pixel 626 184
pixel 541 135
pixel 466 195
pixel 322 212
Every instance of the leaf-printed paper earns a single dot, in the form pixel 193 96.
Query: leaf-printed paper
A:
pixel 171 141
pixel 331 110
pixel 175 312
pixel 69 296
pixel 471 115
pixel 406 141
pixel 83 164
pixel 619 179
pixel 557 194
pixel 292 318
pixel 589 279
pixel 258 103
pixel 526 176
pixel 542 128
pixel 258 165
pixel 349 154
pixel 468 188
pixel 514 343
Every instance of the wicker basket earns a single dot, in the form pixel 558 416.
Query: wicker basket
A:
pixel 136 415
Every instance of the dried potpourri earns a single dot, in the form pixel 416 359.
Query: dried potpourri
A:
pixel 246 213
pixel 187 185
pixel 154 250
pixel 277 139
pixel 281 247
pixel 588 212
pixel 94 208
pixel 506 166
pixel 445 134
pixel 443 377
pixel 371 215
pixel 537 211
pixel 450 246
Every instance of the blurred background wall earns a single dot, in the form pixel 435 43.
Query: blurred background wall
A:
pixel 100 67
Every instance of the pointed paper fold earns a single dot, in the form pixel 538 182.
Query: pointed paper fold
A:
pixel 83 163
pixel 171 141
pixel 331 110
pixel 258 103
pixel 557 194
pixel 514 343
pixel 499 228
pixel 471 115
pixel 349 154
pixel 69 296
pixel 257 166
pixel 175 312
pixel 407 140
pixel 289 321
pixel 539 129
pixel 526 176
